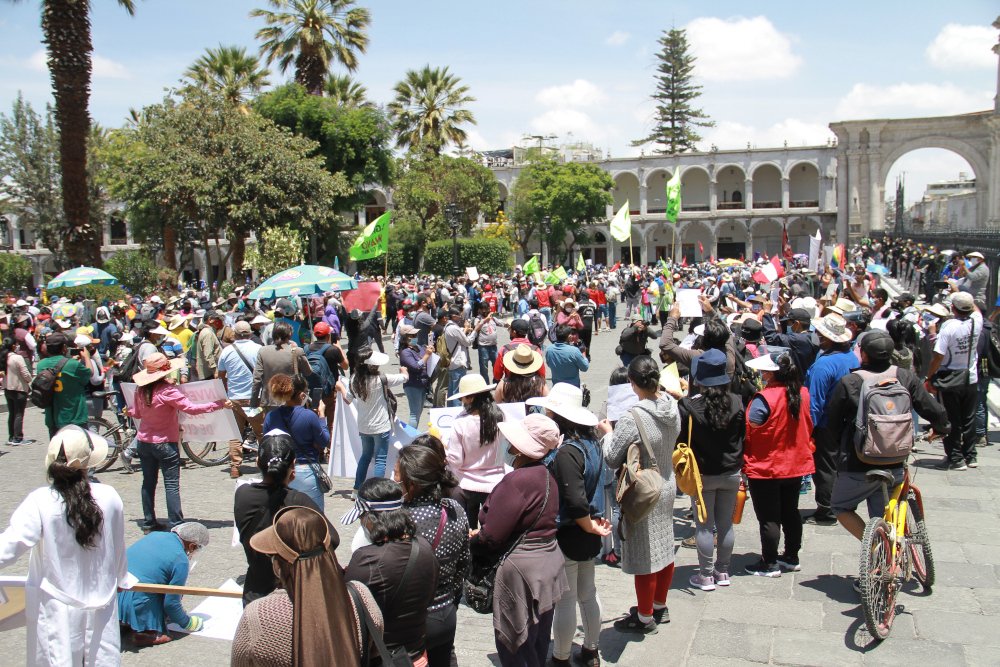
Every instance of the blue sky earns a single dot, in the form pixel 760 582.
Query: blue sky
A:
pixel 584 70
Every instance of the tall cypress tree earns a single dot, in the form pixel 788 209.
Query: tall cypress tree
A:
pixel 676 119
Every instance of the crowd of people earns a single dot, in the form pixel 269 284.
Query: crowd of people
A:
pixel 513 516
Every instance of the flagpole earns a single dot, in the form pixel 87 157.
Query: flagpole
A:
pixel 631 258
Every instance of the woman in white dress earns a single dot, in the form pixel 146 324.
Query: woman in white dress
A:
pixel 76 535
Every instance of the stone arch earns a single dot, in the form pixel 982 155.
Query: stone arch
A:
pixel 766 185
pixel 730 187
pixel 656 190
pixel 694 189
pixel 766 236
pixel 502 195
pixel 731 238
pixel 799 231
pixel 803 184
pixel 6 233
pixel 626 189
pixel 693 233
pixel 977 160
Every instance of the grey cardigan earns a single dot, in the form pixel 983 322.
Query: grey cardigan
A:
pixel 290 359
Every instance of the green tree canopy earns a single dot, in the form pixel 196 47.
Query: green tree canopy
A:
pixel 429 109
pixel 135 270
pixel 277 249
pixel 676 119
pixel 15 272
pixel 346 92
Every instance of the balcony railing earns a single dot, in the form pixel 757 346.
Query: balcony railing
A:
pixel 766 204
pixel 731 205
pixel 694 208
pixel 805 203
pixel 119 240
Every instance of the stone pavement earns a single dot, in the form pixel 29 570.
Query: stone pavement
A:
pixel 808 618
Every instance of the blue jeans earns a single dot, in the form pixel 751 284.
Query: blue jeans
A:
pixel 487 357
pixel 455 376
pixel 626 358
pixel 415 399
pixel 612 314
pixel 372 444
pixel 982 414
pixel 156 458
pixel 306 482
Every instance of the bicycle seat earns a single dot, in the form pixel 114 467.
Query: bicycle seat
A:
pixel 882 476
pixel 99 394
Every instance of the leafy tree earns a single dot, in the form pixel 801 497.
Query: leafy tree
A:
pixel 346 92
pixel 676 123
pixel 135 270
pixel 29 173
pixel 277 249
pixel 229 71
pixel 15 272
pixel 572 194
pixel 66 30
pixel 428 110
pixel 312 34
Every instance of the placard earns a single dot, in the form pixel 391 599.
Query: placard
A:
pixel 472 272
pixel 221 615
pixel 217 426
pixel 621 399
pixel 687 300
pixel 363 298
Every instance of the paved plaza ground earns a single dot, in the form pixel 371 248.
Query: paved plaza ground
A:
pixel 808 618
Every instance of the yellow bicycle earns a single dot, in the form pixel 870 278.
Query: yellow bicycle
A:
pixel 894 549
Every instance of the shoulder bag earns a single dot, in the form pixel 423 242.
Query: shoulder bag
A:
pixel 478 587
pixel 322 479
pixel 390 398
pixel 950 379
pixel 638 487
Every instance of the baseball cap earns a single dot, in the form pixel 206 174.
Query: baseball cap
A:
pixel 322 329
pixel 877 345
pixel 242 327
pixel 962 302
pixel 797 314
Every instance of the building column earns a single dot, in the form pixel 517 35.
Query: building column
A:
pixel 643 201
pixel 714 243
pixel 784 193
pixel 748 194
pixel 106 232
pixel 991 211
pixel 713 196
pixel 853 192
pixel 876 208
pixel 609 211
pixel 15 234
pixel 841 186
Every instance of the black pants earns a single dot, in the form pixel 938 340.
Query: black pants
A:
pixel 826 471
pixel 960 404
pixel 472 501
pixel 533 651
pixel 17 401
pixel 440 640
pixel 586 335
pixel 776 504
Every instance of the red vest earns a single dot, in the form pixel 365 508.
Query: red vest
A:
pixel 780 447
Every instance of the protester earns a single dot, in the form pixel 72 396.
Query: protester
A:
pixel 522 511
pixel 208 345
pixel 279 357
pixel 484 339
pixel 75 532
pixel 648 546
pixel 235 369
pixel 307 430
pixel 69 397
pixel 458 341
pixel 565 361
pixel 415 360
pixel 633 340
pixel 523 378
pixel 16 380
pixel 328 362
pixel 518 336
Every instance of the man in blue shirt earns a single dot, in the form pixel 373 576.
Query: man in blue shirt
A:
pixel 835 360
pixel 236 364
pixel 565 361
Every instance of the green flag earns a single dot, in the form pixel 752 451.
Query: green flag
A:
pixel 621 226
pixel 531 266
pixel 551 279
pixel 663 265
pixel 560 273
pixel 581 264
pixel 674 196
pixel 374 240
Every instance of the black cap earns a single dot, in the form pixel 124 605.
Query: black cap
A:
pixel 750 330
pixel 56 340
pixel 877 345
pixel 906 296
pixel 797 314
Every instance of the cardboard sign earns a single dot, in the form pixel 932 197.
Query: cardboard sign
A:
pixel 218 426
pixel 621 399
pixel 472 272
pixel 221 615
pixel 363 298
pixel 687 299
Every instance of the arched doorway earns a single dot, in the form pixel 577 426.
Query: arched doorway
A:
pixel 766 187
pixel 938 192
pixel 659 242
pixel 803 186
pixel 799 231
pixel 697 242
pixel 766 237
pixel 597 249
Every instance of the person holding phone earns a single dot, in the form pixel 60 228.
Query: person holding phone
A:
pixel 414 359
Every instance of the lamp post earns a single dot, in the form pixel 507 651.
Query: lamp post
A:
pixel 454 216
pixel 546 230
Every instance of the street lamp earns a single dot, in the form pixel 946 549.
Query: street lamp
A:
pixel 546 230
pixel 453 214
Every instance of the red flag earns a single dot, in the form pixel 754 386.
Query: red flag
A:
pixel 786 247
pixel 617 266
pixel 701 249
pixel 770 272
pixel 684 261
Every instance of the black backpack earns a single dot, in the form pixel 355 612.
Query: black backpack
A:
pixel 746 381
pixel 536 329
pixel 992 365
pixel 43 387
pixel 130 366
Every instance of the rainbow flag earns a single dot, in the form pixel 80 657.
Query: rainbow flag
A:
pixel 839 258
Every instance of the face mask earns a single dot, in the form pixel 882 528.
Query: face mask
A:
pixel 970 264
pixel 508 458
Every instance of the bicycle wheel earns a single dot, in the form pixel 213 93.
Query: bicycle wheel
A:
pixel 918 544
pixel 878 590
pixel 207 453
pixel 114 437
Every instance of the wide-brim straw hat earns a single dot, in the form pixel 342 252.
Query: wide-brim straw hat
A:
pixel 470 385
pixel 936 309
pixel 763 363
pixel 522 360
pixel 834 327
pixel 156 366
pixel 566 401
pixel 82 449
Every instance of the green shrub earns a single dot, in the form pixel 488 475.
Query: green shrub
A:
pixel 99 293
pixel 15 272
pixel 402 260
pixel 487 255
pixel 135 270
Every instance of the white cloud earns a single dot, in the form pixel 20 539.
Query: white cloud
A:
pixel 962 46
pixel 102 68
pixel 733 135
pixel 740 49
pixel 580 93
pixel 568 121
pixel 477 141
pixel 907 100
pixel 617 38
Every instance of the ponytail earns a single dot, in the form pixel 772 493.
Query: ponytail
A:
pixel 788 374
pixel 276 457
pixel 83 514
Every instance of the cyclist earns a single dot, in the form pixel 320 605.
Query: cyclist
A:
pixel 851 487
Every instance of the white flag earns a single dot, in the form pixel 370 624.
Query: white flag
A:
pixel 621 226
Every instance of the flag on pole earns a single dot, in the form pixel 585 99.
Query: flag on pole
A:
pixel 770 271
pixel 621 226
pixel 617 266
pixel 531 266
pixel 581 264
pixel 786 247
pixel 556 276
pixel 839 258
pixel 374 240
pixel 701 249
pixel 674 196
pixel 663 265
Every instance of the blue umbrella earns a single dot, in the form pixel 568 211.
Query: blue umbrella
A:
pixel 304 280
pixel 877 268
pixel 83 275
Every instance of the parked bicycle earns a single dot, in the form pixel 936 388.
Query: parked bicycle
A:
pixel 895 548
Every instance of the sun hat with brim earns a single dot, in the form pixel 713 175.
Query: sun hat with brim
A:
pixel 522 360
pixel 260 319
pixel 471 384
pixel 156 366
pixel 976 254
pixel 843 306
pixel 377 359
pixel 272 540
pixel 407 330
pixel 83 340
pixel 763 363
pixel 832 327
pixel 566 401
pixel 177 321
pixel 937 309
pixel 534 436
pixel 709 369
pixel 81 448
pixel 159 330
pixel 569 303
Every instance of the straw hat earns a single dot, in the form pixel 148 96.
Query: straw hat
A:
pixel 471 384
pixel 177 321
pixel 763 363
pixel 377 359
pixel 937 309
pixel 522 360
pixel 843 306
pixel 82 448
pixel 534 436
pixel 155 367
pixel 833 327
pixel 566 401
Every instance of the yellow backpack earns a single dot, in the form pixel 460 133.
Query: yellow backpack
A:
pixel 687 473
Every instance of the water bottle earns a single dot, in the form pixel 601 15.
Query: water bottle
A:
pixel 741 499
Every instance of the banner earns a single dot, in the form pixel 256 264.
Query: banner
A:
pixel 218 426
pixel 345 446
pixel 814 244
pixel 374 239
pixel 674 196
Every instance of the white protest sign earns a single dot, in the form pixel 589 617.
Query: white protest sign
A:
pixel 345 447
pixel 217 426
pixel 687 300
pixel 472 272
pixel 221 615
pixel 814 247
pixel 621 399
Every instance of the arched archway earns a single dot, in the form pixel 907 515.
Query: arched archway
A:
pixel 375 206
pixel 596 249
pixel 766 236
pixel 799 231
pixel 938 189
pixel 697 241
pixel 627 190
pixel 660 241
pixel 656 190
pixel 731 239
pixel 502 197
pixel 6 238
pixel 766 186
pixel 694 189
pixel 803 185
pixel 730 186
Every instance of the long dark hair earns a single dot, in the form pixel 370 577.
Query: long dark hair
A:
pixel 281 334
pixel 6 347
pixel 903 334
pixel 490 415
pixel 361 381
pixel 275 458
pixel 422 465
pixel 571 430
pixel 718 406
pixel 519 388
pixel 147 390
pixel 388 526
pixel 788 374
pixel 83 514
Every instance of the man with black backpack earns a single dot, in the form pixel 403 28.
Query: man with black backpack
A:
pixel 60 384
pixel 878 435
pixel 327 360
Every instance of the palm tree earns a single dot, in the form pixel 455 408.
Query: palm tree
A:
pixel 66 30
pixel 312 34
pixel 427 110
pixel 346 92
pixel 229 71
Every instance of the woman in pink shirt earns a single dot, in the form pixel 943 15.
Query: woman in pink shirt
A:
pixel 157 402
pixel 472 447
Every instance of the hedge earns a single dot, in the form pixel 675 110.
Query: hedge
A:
pixel 135 270
pixel 403 260
pixel 99 293
pixel 487 255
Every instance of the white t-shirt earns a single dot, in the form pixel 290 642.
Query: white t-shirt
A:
pixel 373 413
pixel 953 342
